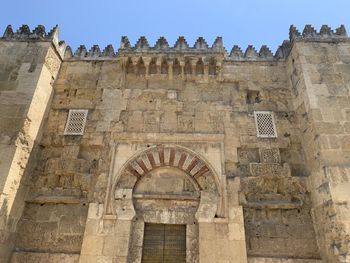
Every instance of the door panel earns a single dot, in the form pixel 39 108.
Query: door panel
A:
pixel 153 244
pixel 164 244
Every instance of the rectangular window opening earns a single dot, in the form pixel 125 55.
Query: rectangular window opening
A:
pixel 76 121
pixel 265 124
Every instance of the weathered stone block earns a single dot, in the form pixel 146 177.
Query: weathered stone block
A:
pixel 92 245
pixel 266 169
pixel 246 156
pixel 270 155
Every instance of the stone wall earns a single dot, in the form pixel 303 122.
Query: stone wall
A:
pixel 27 71
pixel 269 193
pixel 46 226
pixel 319 74
pixel 277 218
pixel 120 103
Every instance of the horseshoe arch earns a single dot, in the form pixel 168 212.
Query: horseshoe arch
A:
pixel 140 175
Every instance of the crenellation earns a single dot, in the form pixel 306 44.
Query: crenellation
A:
pixel 201 44
pixel 283 50
pixel 39 32
pixel 341 31
pixel 251 53
pixel 325 34
pixel 265 52
pixel 81 52
pixel 125 43
pixel 8 32
pixel 68 53
pixel 218 45
pixel 162 44
pixel 181 44
pixel 94 52
pixel 108 51
pixel 236 53
pixel 24 33
pixel 53 32
pixel 309 31
pixel 142 44
pixel 326 31
pixel 293 32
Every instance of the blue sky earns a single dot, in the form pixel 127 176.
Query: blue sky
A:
pixel 240 22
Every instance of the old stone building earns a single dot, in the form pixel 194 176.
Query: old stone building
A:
pixel 175 153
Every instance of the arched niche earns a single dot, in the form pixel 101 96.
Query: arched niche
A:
pixel 166 195
pixel 153 66
pixel 164 67
pixel 176 67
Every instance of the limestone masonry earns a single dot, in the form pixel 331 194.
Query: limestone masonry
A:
pixel 162 154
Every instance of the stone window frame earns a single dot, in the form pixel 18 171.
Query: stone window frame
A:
pixel 76 122
pixel 262 131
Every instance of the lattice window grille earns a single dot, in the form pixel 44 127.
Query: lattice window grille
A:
pixel 265 124
pixel 76 122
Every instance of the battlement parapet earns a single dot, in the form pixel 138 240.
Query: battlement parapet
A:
pixel 251 54
pixel 93 53
pixel 325 34
pixel 23 33
pixel 162 47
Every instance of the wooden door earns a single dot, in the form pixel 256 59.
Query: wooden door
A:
pixel 164 243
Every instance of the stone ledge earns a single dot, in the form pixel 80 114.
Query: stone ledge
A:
pixel 168 137
pixel 274 205
pixel 57 200
pixel 281 260
pixel 37 257
pixel 165 196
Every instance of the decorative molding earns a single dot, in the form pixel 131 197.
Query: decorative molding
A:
pixel 167 137
pixel 52 62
